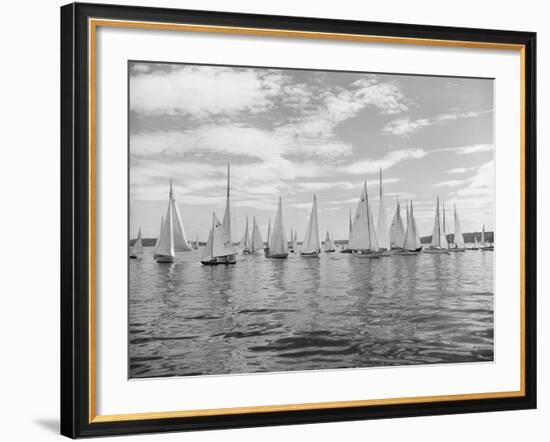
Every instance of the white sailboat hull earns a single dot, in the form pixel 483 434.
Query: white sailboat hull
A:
pixel 366 254
pixel 310 254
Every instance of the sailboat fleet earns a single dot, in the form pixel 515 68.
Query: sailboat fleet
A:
pixel 366 240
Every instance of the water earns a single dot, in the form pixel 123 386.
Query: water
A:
pixel 338 311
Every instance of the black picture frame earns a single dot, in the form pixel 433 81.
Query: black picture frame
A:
pixel 75 220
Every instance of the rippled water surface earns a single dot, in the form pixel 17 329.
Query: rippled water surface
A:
pixel 304 314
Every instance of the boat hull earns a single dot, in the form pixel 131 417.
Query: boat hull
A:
pixel 366 254
pixel 277 255
pixel 309 255
pixel 330 251
pixel 164 259
pixel 487 249
pixel 345 251
pixel 436 251
pixel 461 249
pixel 133 256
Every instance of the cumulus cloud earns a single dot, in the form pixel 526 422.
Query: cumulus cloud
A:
pixel 404 127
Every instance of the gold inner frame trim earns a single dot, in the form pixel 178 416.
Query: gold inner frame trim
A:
pixel 93 24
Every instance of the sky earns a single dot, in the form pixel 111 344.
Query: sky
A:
pixel 296 133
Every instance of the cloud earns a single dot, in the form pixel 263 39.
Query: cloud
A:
pixel 203 91
pixel 459 170
pixel 405 126
pixel 476 148
pixel 450 183
pixel 482 183
pixel 387 161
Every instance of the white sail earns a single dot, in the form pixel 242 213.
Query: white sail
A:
pixel 312 243
pixel 245 241
pixel 483 236
pixel 256 241
pixel 410 238
pixel 218 242
pixel 137 248
pixel 438 235
pixel 165 242
pixel 459 237
pixel 278 244
pixel 207 251
pixel 373 237
pixel 329 243
pixel 359 236
pixel 382 227
pixel 180 240
pixel 293 239
pixel 268 232
pixel 397 230
pixel 475 241
pixel 227 214
pixel 158 237
pixel 416 233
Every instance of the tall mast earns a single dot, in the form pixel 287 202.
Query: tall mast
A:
pixel 380 183
pixel 171 194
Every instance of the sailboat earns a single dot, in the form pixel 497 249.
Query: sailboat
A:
pixel 278 244
pixel 329 244
pixel 347 249
pixel 311 246
pixel 245 241
pixel 484 245
pixel 196 244
pixel 295 241
pixel 439 240
pixel 363 241
pixel 172 235
pixel 256 241
pixel 158 237
pixel 411 244
pixel 218 249
pixel 291 246
pixel 227 217
pixel 476 245
pixel 382 227
pixel 397 230
pixel 266 248
pixel 458 240
pixel 137 248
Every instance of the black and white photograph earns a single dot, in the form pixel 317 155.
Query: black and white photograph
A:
pixel 286 219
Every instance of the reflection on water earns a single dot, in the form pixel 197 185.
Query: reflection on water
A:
pixel 303 314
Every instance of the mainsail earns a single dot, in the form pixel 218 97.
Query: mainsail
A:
pixel 165 242
pixel 180 240
pixel 278 244
pixel 268 232
pixel 158 237
pixel 382 227
pixel 439 239
pixel 245 242
pixel 227 214
pixel 363 233
pixel 329 243
pixel 459 237
pixel 137 248
pixel 483 236
pixel 312 243
pixel 397 231
pixel 218 244
pixel 256 241
pixel 410 238
pixel 416 233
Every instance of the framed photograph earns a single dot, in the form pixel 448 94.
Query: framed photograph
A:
pixel 274 220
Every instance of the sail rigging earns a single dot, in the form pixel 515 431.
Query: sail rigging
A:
pixel 137 248
pixel 382 227
pixel 219 244
pixel 256 241
pixel 397 230
pixel 439 239
pixel 278 244
pixel 312 242
pixel 459 237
